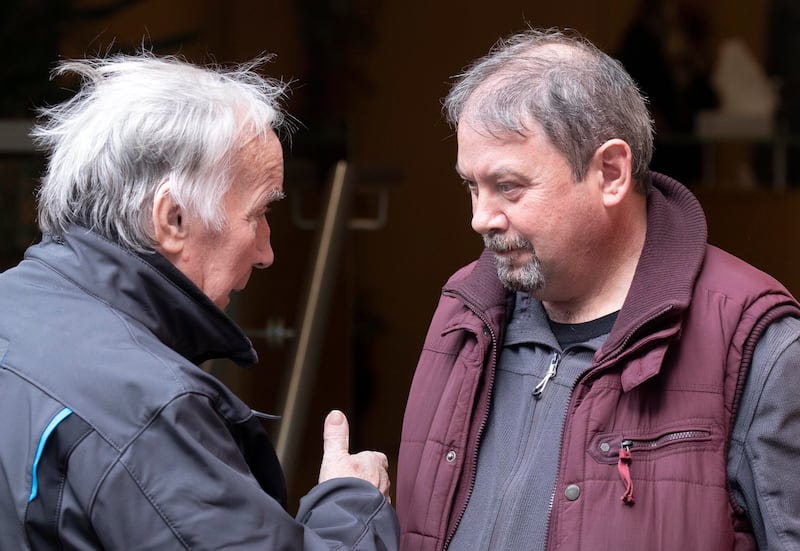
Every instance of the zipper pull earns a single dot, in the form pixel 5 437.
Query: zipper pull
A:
pixel 551 372
pixel 624 468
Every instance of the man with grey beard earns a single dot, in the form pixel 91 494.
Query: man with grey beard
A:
pixel 528 277
pixel 601 377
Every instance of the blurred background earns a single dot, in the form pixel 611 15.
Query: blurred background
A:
pixel 368 77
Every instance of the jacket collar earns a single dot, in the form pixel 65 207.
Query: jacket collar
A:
pixel 148 288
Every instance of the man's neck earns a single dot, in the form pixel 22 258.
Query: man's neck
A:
pixel 609 279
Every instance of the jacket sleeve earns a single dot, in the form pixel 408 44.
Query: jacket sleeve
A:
pixel 765 443
pixel 327 511
pixel 183 484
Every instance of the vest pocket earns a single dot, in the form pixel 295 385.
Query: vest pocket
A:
pixel 606 447
pixel 626 449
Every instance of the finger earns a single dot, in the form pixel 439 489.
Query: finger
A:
pixel 385 484
pixel 336 434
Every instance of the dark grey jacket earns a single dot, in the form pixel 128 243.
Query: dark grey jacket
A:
pixel 114 438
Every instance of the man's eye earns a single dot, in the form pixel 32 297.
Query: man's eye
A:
pixel 470 186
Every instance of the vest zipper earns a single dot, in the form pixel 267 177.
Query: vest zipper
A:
pixel 474 471
pixel 624 468
pixel 561 449
pixel 654 443
pixel 626 455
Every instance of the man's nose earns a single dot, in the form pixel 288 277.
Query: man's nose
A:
pixel 265 256
pixel 487 216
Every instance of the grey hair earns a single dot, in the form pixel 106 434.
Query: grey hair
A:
pixel 579 96
pixel 137 121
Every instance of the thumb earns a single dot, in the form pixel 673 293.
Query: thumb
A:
pixel 336 434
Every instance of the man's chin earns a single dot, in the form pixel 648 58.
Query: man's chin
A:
pixel 520 279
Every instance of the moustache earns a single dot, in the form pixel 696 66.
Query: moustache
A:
pixel 499 244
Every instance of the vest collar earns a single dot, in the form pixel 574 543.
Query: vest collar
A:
pixel 670 262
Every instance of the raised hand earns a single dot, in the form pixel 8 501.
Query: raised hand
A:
pixel 337 461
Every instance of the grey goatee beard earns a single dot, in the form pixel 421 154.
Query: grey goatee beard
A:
pixel 526 278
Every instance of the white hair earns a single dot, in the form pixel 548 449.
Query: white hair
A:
pixel 138 121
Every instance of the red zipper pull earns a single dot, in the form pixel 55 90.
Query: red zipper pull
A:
pixel 623 466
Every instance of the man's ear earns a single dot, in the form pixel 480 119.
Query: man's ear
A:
pixel 169 226
pixel 615 161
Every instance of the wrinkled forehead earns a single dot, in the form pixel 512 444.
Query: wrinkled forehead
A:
pixel 263 151
pixel 258 167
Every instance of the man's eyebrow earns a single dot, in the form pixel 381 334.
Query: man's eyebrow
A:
pixel 275 195
pixel 496 174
